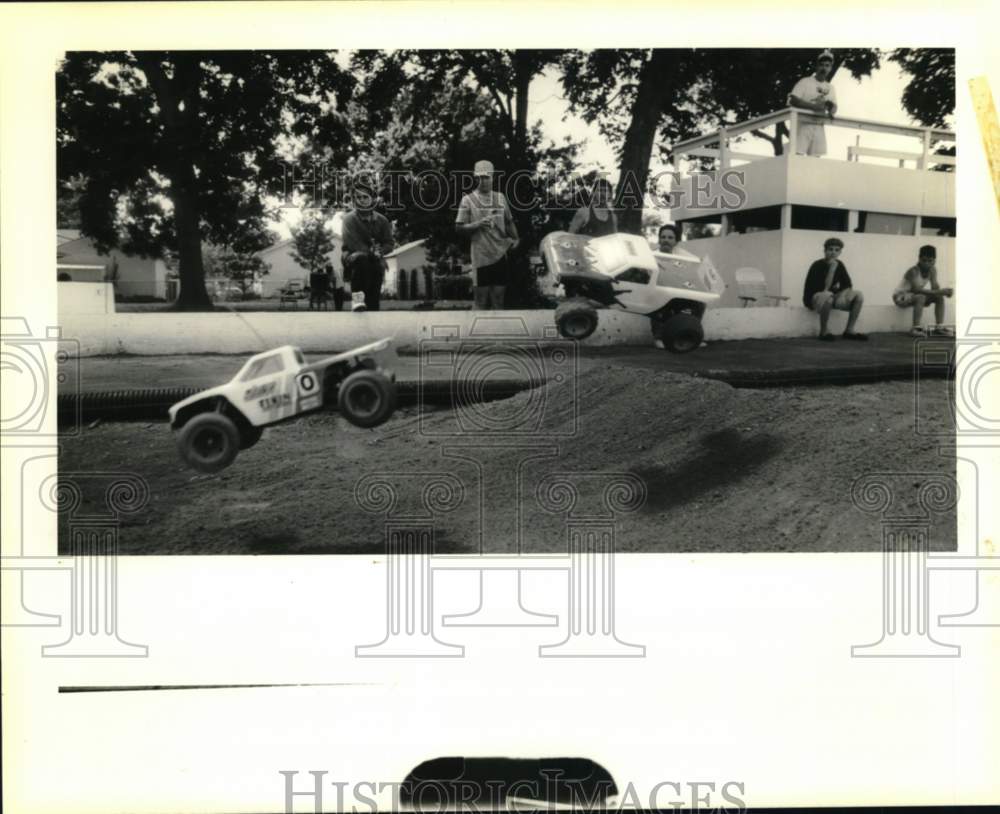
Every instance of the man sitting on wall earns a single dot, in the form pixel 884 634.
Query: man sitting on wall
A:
pixel 829 286
pixel 912 292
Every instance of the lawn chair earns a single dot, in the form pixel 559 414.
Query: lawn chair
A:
pixel 753 288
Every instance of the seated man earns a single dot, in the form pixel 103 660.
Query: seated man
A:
pixel 913 292
pixel 828 286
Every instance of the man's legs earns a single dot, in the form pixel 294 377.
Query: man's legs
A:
pixel 481 294
pixel 373 290
pixel 857 301
pixel 822 305
pixel 918 309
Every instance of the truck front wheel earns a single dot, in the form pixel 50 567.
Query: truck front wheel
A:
pixel 576 319
pixel 209 442
pixel 367 398
pixel 681 333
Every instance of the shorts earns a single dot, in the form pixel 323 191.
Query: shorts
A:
pixel 904 299
pixel 494 274
pixel 811 140
pixel 840 300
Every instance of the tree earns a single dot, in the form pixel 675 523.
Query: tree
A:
pixel 177 147
pixel 427 116
pixel 929 97
pixel 242 268
pixel 637 97
pixel 503 76
pixel 312 241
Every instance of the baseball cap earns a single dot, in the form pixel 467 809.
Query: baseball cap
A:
pixel 825 55
pixel 483 168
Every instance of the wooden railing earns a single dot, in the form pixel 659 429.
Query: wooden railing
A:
pixel 702 146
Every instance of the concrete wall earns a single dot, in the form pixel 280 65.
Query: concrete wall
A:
pixel 761 250
pixel 765 182
pixel 798 179
pixel 323 331
pixel 869 187
pixel 875 262
pixel 85 299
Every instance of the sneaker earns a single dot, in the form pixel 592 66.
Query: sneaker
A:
pixel 942 330
pixel 827 337
pixel 858 337
pixel 918 331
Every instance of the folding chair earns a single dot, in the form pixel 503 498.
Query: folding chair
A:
pixel 753 288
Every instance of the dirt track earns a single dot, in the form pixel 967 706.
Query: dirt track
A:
pixel 724 470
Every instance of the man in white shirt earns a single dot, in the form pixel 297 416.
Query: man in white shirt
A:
pixel 485 218
pixel 814 93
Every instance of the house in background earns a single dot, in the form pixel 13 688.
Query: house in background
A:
pixel 284 268
pixel 404 277
pixel 78 259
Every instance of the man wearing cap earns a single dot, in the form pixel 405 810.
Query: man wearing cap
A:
pixel 817 94
pixel 913 293
pixel 829 286
pixel 484 216
pixel 367 237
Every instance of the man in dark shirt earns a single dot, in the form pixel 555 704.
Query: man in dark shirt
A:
pixel 367 237
pixel 828 286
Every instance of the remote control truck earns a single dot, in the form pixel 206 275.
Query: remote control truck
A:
pixel 212 426
pixel 621 271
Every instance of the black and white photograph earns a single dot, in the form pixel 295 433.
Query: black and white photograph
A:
pixel 291 271
pixel 420 406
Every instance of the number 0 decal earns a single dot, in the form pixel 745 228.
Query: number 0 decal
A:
pixel 307 383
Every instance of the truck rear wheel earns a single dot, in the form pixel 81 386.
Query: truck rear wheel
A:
pixel 209 442
pixel 576 319
pixel 367 398
pixel 681 333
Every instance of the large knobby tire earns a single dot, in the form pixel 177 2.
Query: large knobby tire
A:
pixel 681 333
pixel 250 435
pixel 367 398
pixel 209 442
pixel 576 319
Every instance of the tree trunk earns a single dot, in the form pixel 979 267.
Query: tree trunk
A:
pixel 523 73
pixel 193 296
pixel 638 147
pixel 180 140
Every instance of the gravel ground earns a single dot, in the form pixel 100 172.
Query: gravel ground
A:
pixel 725 470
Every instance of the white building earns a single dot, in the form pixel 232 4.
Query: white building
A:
pixel 882 203
pixel 284 268
pixel 78 260
pixel 405 277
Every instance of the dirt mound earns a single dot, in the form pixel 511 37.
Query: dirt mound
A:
pixel 674 463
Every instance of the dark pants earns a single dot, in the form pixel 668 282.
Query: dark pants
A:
pixel 366 275
pixel 491 285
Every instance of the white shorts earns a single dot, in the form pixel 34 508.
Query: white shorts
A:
pixel 811 140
